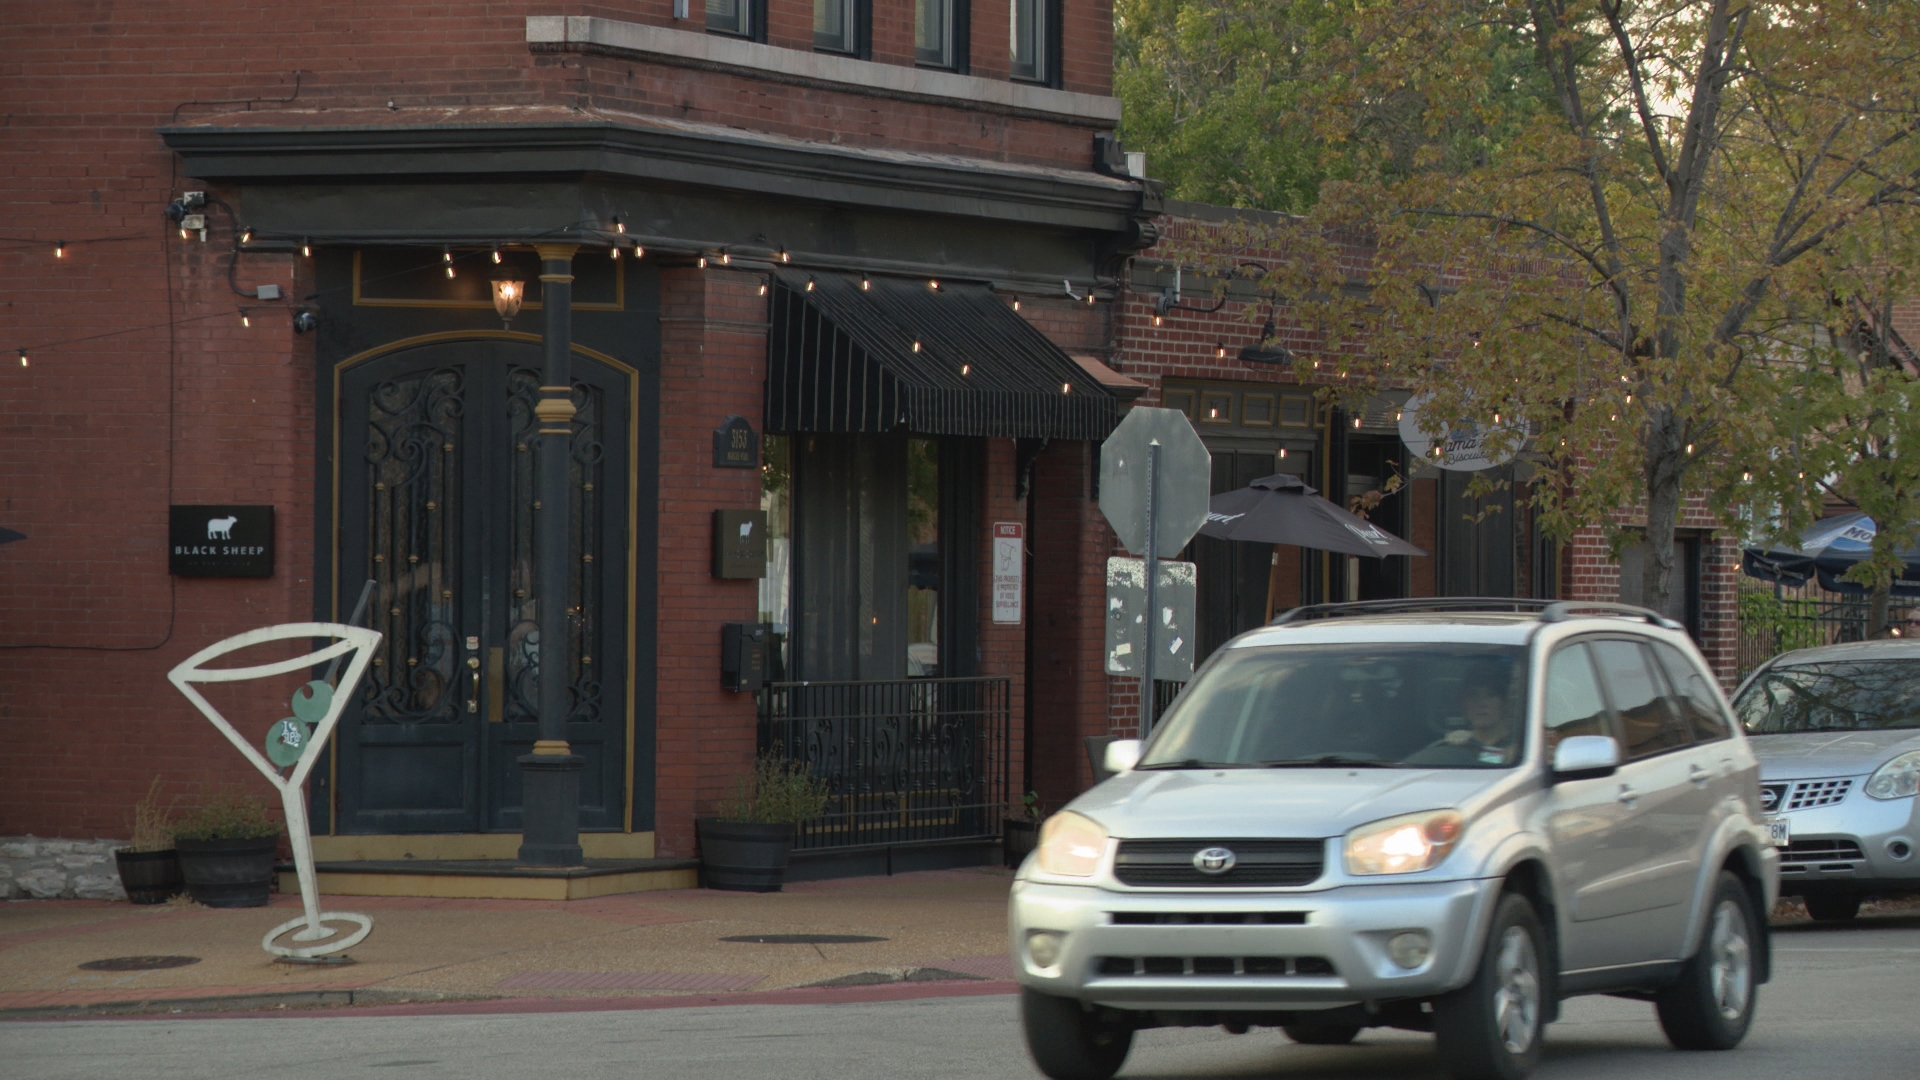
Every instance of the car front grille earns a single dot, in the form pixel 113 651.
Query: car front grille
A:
pixel 1120 966
pixel 1208 918
pixel 1256 863
pixel 1803 855
pixel 1805 794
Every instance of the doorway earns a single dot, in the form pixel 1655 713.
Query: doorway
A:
pixel 435 457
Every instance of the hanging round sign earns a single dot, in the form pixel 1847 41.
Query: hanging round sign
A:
pixel 1462 448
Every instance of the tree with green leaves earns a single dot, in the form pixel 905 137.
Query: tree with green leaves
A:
pixel 1611 279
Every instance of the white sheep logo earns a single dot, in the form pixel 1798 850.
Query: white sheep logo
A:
pixel 220 528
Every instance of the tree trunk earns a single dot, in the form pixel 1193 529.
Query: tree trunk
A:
pixel 1666 464
pixel 1877 609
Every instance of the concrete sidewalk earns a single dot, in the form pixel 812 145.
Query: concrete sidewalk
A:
pixel 943 928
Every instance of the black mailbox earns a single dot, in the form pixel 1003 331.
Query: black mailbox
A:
pixel 743 656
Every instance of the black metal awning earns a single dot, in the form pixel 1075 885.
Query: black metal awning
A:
pixel 873 354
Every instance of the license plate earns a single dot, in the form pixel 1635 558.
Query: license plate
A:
pixel 1778 831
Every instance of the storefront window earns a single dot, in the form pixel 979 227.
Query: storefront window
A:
pixel 923 558
pixel 776 498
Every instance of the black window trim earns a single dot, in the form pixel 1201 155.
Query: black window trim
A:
pixel 1050 46
pixel 960 26
pixel 862 33
pixel 756 23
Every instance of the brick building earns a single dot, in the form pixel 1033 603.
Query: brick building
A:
pixel 877 226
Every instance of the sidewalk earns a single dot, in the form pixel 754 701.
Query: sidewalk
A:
pixel 944 931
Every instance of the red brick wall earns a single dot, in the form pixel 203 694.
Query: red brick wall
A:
pixel 713 347
pixel 1003 649
pixel 1070 542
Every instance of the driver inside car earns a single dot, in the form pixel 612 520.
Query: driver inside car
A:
pixel 1489 735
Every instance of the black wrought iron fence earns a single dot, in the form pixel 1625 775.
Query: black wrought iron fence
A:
pixel 904 760
pixel 1774 619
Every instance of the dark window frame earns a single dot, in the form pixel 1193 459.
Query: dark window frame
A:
pixel 1651 664
pixel 862 33
pixel 1050 47
pixel 756 23
pixel 960 27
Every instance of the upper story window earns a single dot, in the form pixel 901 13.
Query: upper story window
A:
pixel 936 33
pixel 732 17
pixel 836 26
pixel 1031 29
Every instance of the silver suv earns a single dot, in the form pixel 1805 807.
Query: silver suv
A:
pixel 1444 816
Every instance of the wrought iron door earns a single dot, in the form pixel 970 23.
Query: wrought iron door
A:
pixel 436 462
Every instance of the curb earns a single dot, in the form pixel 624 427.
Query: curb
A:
pixel 357 1003
pixel 277 1001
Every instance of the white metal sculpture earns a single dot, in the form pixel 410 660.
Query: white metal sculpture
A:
pixel 295 741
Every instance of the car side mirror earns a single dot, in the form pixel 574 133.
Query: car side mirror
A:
pixel 1584 757
pixel 1122 755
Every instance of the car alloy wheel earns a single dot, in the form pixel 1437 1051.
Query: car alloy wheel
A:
pixel 1731 973
pixel 1516 999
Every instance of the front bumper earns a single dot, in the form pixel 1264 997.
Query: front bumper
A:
pixel 1252 964
pixel 1853 842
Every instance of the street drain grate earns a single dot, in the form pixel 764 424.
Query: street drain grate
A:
pixel 803 939
pixel 139 963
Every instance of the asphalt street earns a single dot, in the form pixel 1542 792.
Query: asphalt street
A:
pixel 1845 1003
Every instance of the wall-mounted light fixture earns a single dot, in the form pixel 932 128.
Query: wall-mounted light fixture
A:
pixel 508 295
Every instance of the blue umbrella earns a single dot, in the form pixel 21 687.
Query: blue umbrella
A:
pixel 1827 549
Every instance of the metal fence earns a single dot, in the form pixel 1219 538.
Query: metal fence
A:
pixel 904 760
pixel 1775 618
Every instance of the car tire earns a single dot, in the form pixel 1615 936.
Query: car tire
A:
pixel 1492 1028
pixel 1832 907
pixel 1070 1041
pixel 1321 1034
pixel 1711 1005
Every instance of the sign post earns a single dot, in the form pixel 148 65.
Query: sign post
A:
pixel 1155 478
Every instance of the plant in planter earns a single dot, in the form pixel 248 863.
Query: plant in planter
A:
pixel 149 867
pixel 227 849
pixel 745 848
pixel 1022 833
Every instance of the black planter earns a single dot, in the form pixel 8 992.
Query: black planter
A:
pixel 742 856
pixel 1018 840
pixel 228 873
pixel 150 877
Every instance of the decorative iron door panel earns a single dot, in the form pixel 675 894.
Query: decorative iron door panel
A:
pixel 436 506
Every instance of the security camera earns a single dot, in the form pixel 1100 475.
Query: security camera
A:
pixel 304 321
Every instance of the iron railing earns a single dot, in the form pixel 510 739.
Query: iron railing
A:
pixel 904 760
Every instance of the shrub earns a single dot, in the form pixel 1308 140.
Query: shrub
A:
pixel 151 825
pixel 776 791
pixel 228 817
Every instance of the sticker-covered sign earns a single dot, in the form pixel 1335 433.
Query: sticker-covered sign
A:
pixel 1009 571
pixel 1175 595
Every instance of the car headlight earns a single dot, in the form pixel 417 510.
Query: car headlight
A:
pixel 1070 845
pixel 1403 845
pixel 1897 778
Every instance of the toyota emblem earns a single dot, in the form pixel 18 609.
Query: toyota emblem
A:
pixel 1214 860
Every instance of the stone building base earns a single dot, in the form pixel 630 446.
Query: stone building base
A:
pixel 36 869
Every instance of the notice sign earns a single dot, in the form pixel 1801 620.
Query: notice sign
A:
pixel 220 541
pixel 1009 567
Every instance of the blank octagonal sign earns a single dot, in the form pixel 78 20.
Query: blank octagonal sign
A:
pixel 1184 479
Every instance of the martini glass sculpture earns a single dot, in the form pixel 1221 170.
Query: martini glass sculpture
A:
pixel 293 742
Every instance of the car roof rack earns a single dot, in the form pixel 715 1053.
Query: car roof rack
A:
pixel 1436 605
pixel 1569 609
pixel 1547 611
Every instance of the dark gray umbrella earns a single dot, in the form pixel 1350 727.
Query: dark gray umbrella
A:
pixel 1282 509
pixel 8 536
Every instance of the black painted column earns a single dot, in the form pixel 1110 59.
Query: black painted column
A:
pixel 550 781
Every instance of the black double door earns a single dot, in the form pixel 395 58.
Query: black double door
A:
pixel 437 454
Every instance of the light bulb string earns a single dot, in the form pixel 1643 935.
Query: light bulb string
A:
pixel 58 242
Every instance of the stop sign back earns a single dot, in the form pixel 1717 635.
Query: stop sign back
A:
pixel 1183 480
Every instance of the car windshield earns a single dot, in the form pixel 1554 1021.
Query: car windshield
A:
pixel 1393 705
pixel 1852 695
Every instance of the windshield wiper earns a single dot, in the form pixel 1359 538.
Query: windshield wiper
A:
pixel 1327 761
pixel 1188 763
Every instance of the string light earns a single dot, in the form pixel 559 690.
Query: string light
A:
pixel 934 285
pixel 865 285
pixel 1629 399
pixel 1356 423
pixel 1156 320
pixel 809 284
pixel 618 225
pixel 639 252
pixel 1496 418
pixel 244 321
pixel 60 250
pixel 1283 451
pixel 246 235
pixel 23 358
pixel 306 251
pixel 1089 297
pixel 726 259
pixel 784 257
pixel 446 256
pixel 763 288
pixel 1746 477
pixel 614 252
pixel 1066 388
pixel 703 262
pixel 1220 350
pixel 1016 301
pixel 496 256
pixel 916 346
pixel 966 369
pixel 1689 448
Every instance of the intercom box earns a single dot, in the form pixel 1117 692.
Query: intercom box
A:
pixel 743 656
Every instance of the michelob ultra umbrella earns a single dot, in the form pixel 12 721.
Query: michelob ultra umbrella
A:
pixel 1827 549
pixel 1282 509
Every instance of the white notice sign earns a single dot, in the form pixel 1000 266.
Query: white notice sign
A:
pixel 1009 562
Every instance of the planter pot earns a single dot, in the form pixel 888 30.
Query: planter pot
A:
pixel 150 877
pixel 742 856
pixel 228 873
pixel 1018 840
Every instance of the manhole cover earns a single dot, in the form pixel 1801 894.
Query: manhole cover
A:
pixel 803 939
pixel 139 963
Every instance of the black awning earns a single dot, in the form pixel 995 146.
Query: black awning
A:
pixel 854 354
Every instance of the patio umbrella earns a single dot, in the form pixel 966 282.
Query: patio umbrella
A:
pixel 1826 549
pixel 1282 509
